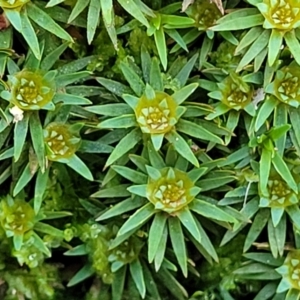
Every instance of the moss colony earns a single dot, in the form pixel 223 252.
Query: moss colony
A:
pixel 149 149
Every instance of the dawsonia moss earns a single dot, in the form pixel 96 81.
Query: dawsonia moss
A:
pixel 149 149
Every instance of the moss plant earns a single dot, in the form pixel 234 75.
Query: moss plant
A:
pixel 149 149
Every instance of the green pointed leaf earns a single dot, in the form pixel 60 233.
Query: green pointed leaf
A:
pixel 132 101
pixel 205 50
pixel 80 167
pixel 266 292
pixel 155 158
pixel 137 274
pixel 239 23
pixel 178 243
pixel 280 234
pixel 156 80
pixel 160 252
pixel 205 246
pixel 48 62
pixel 18 241
pixel 54 2
pixel 182 147
pixel 40 244
pixel 131 7
pixel 109 20
pixel 265 258
pixel 188 221
pixel 294 118
pixel 197 131
pixel 112 192
pixel 63 80
pixel 51 215
pixel 48 229
pixel 132 175
pixel 139 218
pixel 140 190
pixel 77 251
pixel 211 211
pixel 20 133
pixel 37 137
pixel 133 79
pixel 212 183
pixel 293 44
pixel 29 35
pixel 7 154
pixel 284 171
pixel 177 38
pixel 181 95
pixel 124 121
pixel 115 87
pixel 14 18
pixel 281 118
pixel 111 110
pixel 68 99
pixel 259 222
pixel 259 45
pixel 264 170
pixel 122 207
pixel 184 74
pixel 94 147
pixel 157 140
pixel 294 213
pixel 155 235
pixel 276 214
pixel 126 144
pixel 196 173
pixel 160 41
pixel 40 188
pixel 85 272
pixel 118 283
pixel 41 18
pixel 151 285
pixel 79 7
pixel 275 43
pixel 93 19
pixel 25 177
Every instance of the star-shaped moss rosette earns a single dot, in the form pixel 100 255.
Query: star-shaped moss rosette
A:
pixel 235 94
pixel 286 84
pixel 275 204
pixel 20 222
pixel 290 272
pixel 283 97
pixel 271 154
pixel 30 89
pixel 205 14
pixel 159 23
pixel 221 61
pixel 112 265
pixel 271 22
pixel 268 195
pixel 154 112
pixel 61 142
pixel 170 195
pixel 20 13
